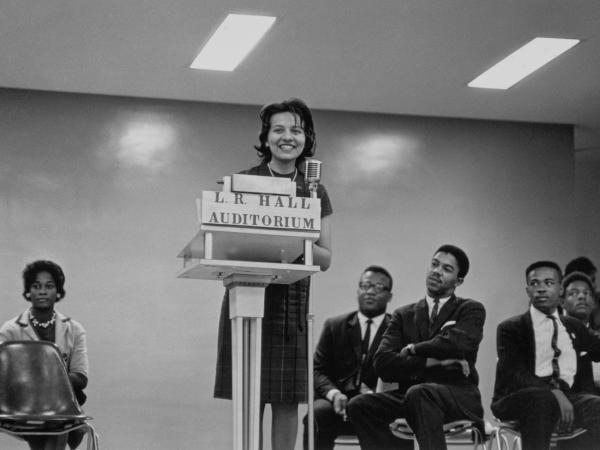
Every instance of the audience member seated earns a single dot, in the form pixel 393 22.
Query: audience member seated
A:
pixel 43 283
pixel 429 348
pixel 579 302
pixel 540 381
pixel 344 357
pixel 585 265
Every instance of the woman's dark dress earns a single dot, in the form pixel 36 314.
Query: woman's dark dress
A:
pixel 284 337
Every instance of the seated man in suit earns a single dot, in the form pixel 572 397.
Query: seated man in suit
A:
pixel 344 357
pixel 578 302
pixel 540 376
pixel 585 265
pixel 429 348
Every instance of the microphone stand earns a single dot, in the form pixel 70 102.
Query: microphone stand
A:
pixel 312 187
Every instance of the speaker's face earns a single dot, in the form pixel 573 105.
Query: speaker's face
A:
pixel 286 137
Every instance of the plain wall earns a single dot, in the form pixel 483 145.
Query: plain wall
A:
pixel 106 187
pixel 587 195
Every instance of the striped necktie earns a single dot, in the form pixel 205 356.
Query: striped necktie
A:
pixel 434 314
pixel 554 342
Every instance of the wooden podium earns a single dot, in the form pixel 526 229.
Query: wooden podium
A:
pixel 250 233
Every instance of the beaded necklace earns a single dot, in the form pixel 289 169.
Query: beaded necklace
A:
pixel 37 323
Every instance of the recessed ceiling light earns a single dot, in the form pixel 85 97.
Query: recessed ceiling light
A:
pixel 522 62
pixel 233 40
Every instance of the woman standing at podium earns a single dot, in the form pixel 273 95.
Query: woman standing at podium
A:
pixel 286 138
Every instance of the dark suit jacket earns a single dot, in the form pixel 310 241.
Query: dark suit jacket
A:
pixel 338 355
pixel 457 332
pixel 515 342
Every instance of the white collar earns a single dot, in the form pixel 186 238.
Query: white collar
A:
pixel 430 301
pixel 376 320
pixel 538 316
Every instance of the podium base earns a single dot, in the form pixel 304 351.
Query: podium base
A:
pixel 246 306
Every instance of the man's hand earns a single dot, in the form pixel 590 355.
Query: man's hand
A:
pixel 566 411
pixel 407 351
pixel 339 404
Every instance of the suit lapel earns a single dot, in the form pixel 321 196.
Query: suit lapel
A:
pixel 571 332
pixel 422 320
pixel 23 321
pixel 445 312
pixel 377 338
pixel 530 340
pixel 355 337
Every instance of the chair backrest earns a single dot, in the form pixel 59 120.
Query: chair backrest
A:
pixel 34 382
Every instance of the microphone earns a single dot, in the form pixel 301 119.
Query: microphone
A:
pixel 312 175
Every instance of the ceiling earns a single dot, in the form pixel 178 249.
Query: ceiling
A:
pixel 394 56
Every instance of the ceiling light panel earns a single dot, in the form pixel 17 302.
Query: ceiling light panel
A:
pixel 233 40
pixel 522 62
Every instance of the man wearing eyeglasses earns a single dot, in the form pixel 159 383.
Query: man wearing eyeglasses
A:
pixel 344 357
pixel 429 348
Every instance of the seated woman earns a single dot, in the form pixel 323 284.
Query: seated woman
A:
pixel 43 286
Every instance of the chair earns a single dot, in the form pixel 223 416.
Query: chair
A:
pixel 351 440
pixel 460 432
pixel 508 436
pixel 36 397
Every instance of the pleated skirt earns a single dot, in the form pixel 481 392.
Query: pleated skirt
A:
pixel 284 365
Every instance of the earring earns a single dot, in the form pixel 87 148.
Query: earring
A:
pixel 58 296
pixel 28 295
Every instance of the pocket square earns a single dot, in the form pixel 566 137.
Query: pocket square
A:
pixel 449 324
pixel 583 353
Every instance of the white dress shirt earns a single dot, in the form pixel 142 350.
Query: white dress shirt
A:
pixel 543 328
pixel 362 319
pixel 430 303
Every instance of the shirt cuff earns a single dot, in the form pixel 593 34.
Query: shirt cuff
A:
pixel 332 393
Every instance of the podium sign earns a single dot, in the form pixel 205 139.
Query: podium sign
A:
pixel 250 235
pixel 260 211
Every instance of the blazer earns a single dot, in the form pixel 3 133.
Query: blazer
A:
pixel 456 333
pixel 515 342
pixel 338 355
pixel 69 338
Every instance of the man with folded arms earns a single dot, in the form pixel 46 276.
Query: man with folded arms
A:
pixel 541 375
pixel 429 348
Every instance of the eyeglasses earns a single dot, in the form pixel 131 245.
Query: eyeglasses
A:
pixel 577 292
pixel 378 287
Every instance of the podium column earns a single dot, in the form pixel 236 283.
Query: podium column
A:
pixel 246 306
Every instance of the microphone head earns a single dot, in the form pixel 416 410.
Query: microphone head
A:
pixel 312 172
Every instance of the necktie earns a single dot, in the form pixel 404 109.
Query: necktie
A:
pixel 366 339
pixel 434 313
pixel 361 374
pixel 554 341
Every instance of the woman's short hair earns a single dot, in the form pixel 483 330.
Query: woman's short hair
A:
pixel 32 269
pixel 294 106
